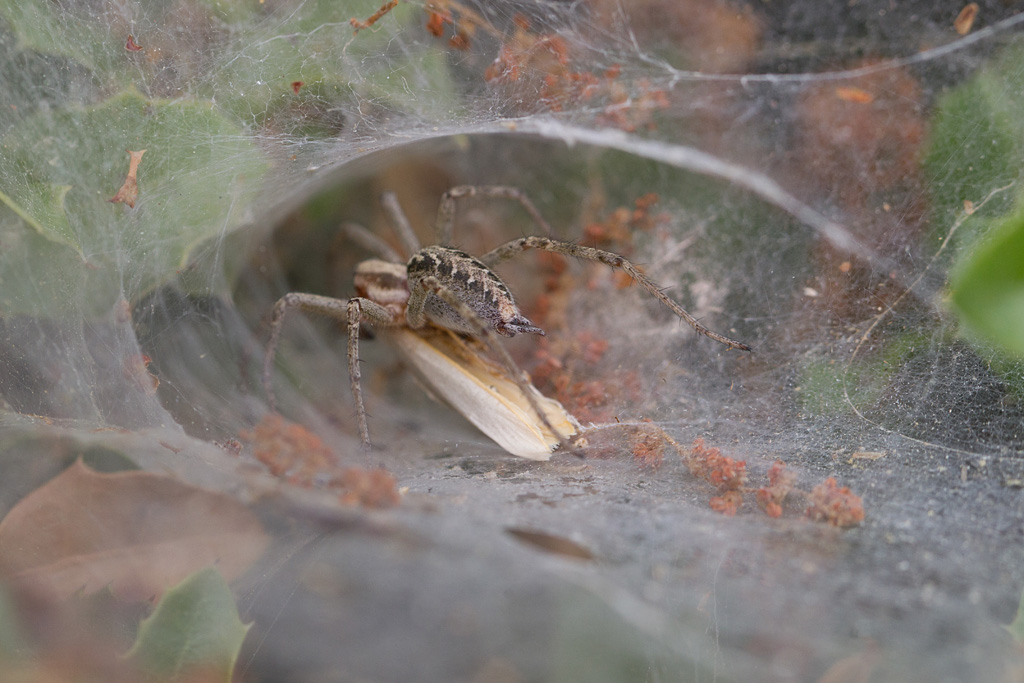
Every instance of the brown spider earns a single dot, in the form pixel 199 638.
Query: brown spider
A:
pixel 447 289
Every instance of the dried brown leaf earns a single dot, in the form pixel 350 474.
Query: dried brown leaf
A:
pixel 436 22
pixel 559 545
pixel 384 9
pixel 855 95
pixel 965 20
pixel 137 532
pixel 129 191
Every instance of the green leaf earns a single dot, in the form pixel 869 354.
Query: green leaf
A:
pixel 342 72
pixel 976 152
pixel 195 628
pixel 38 275
pixel 14 646
pixel 96 39
pixel 199 178
pixel 1016 627
pixel 40 26
pixel 977 144
pixel 988 286
pixel 47 216
pixel 592 641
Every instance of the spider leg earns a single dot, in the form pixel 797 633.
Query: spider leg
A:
pixel 367 240
pixel 432 285
pixel 400 222
pixel 353 311
pixel 445 226
pixel 517 246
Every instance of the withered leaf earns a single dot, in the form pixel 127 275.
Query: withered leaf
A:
pixel 436 22
pixel 129 191
pixel 137 532
pixel 384 9
pixel 136 368
pixel 855 95
pixel 965 20
pixel 559 545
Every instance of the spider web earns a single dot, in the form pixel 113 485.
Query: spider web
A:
pixel 813 174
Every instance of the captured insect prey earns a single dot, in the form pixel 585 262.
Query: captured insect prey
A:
pixel 444 311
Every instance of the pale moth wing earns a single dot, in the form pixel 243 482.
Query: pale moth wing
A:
pixel 481 391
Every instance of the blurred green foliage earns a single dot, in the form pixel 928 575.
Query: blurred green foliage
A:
pixel 211 83
pixel 74 250
pixel 194 628
pixel 977 147
pixel 988 286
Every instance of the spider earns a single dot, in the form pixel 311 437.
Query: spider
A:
pixel 443 288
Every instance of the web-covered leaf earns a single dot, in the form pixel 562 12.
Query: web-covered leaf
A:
pixel 194 633
pixel 836 184
pixel 65 164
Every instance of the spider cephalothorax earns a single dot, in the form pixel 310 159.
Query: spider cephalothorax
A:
pixel 442 287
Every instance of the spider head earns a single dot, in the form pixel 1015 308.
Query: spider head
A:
pixel 517 325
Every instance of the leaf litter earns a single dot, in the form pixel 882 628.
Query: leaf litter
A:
pixel 137 532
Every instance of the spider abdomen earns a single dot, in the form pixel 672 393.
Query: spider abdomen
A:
pixel 473 283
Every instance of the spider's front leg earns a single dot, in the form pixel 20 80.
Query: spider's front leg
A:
pixel 353 312
pixel 421 288
pixel 445 225
pixel 517 246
